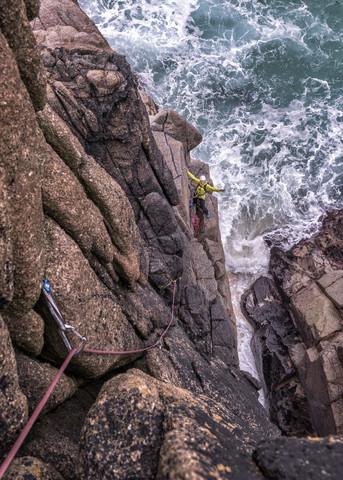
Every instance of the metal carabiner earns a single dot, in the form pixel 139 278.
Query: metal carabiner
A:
pixel 57 315
pixel 66 341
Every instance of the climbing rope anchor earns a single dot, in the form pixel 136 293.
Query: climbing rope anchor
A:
pixel 62 325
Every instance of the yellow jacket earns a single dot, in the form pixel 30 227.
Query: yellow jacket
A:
pixel 202 189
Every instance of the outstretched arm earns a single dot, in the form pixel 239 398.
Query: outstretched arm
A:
pixel 196 180
pixel 214 189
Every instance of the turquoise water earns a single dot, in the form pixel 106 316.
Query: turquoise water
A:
pixel 262 80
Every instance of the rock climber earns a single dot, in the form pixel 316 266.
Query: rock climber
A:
pixel 200 192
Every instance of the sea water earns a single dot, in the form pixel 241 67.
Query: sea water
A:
pixel 262 81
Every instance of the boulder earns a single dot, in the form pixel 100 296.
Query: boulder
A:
pixel 315 315
pixel 27 331
pixel 55 437
pixel 23 468
pixel 86 303
pixel 172 124
pixel 66 24
pixel 143 428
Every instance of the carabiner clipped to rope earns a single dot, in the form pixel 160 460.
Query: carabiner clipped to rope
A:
pixel 62 325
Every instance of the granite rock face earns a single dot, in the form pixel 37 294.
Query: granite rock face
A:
pixel 22 147
pixel 299 320
pixel 161 431
pixel 94 197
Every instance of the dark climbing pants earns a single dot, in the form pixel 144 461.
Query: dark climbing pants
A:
pixel 200 202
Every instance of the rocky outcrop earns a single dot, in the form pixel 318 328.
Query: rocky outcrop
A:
pixel 95 199
pixel 299 330
pixel 153 434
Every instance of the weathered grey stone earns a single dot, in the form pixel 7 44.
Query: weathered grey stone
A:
pixel 65 24
pixel 150 105
pixel 330 278
pixel 16 28
pixel 160 229
pixel 25 468
pixel 22 145
pixel 205 271
pixel 335 293
pixel 195 316
pixel 174 154
pixel 315 315
pixel 106 82
pixel 13 403
pixel 172 124
pixel 34 379
pixel 286 273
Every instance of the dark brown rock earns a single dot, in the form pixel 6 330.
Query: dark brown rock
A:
pixel 23 468
pixel 6 253
pixel 22 146
pixel 308 277
pixel 32 8
pixel 16 28
pixel 13 403
pixel 55 437
pixel 143 428
pixel 27 331
pixel 34 379
pixel 294 459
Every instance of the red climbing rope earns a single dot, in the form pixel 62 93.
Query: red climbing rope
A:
pixel 42 403
pixel 34 416
pixel 127 352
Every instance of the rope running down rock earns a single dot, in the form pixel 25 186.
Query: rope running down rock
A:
pixel 66 362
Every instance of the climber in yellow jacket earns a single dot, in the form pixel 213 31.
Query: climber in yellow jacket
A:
pixel 200 192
